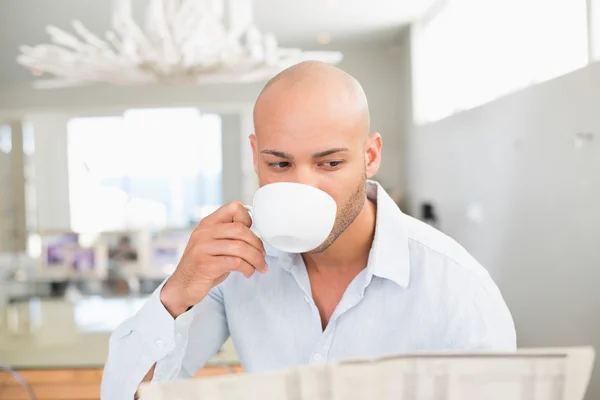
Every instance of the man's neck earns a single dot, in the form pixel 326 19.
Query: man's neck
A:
pixel 349 254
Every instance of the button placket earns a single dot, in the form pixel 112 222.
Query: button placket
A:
pixel 321 352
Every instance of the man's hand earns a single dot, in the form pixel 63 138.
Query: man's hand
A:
pixel 222 243
pixel 147 378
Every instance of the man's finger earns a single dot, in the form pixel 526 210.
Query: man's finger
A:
pixel 232 263
pixel 239 249
pixel 239 231
pixel 230 212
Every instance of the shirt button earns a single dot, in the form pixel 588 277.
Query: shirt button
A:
pixel 317 357
pixel 178 336
pixel 160 343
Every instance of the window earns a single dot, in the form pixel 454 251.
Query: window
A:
pixel 474 51
pixel 30 194
pixel 5 139
pixel 155 168
pixel 6 226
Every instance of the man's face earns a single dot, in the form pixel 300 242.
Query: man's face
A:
pixel 327 150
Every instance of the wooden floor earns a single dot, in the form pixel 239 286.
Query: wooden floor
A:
pixel 70 384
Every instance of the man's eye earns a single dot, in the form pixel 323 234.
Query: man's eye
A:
pixel 279 165
pixel 332 164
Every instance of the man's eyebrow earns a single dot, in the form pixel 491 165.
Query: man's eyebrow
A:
pixel 279 154
pixel 329 152
pixel 320 154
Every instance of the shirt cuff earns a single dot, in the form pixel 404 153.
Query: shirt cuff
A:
pixel 157 327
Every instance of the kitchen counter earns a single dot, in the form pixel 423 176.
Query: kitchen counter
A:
pixel 58 333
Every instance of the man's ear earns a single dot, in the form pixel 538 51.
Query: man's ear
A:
pixel 252 138
pixel 373 154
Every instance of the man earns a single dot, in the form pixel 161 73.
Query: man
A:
pixel 382 283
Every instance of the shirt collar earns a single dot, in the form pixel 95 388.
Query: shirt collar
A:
pixel 389 256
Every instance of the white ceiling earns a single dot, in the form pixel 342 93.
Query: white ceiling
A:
pixel 350 23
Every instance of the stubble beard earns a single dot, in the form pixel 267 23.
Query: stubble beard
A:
pixel 345 217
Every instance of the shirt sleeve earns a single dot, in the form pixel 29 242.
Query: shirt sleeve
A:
pixel 480 318
pixel 153 336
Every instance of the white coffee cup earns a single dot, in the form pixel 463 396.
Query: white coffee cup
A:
pixel 293 217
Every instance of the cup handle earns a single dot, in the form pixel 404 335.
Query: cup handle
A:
pixel 252 227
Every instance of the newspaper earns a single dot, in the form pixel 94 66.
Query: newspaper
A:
pixel 528 374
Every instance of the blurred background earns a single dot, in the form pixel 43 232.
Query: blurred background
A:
pixel 488 111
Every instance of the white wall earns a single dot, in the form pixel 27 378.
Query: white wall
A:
pixel 377 68
pixel 50 162
pixel 540 201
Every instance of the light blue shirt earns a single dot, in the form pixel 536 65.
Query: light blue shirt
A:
pixel 420 291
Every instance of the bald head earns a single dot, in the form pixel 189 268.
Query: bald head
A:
pixel 318 88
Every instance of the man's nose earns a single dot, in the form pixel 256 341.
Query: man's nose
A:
pixel 306 175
